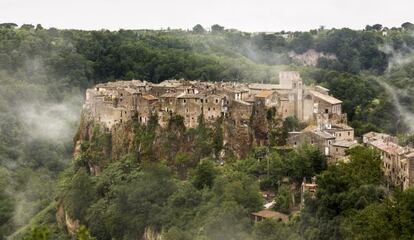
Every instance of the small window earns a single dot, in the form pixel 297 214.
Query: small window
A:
pixel 185 101
pixel 216 100
pixel 349 133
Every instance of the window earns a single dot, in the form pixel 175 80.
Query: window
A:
pixel 216 100
pixel 337 149
pixel 349 133
pixel 185 101
pixel 326 110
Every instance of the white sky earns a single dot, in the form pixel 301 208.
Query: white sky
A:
pixel 247 15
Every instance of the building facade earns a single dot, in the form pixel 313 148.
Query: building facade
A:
pixel 116 102
pixel 398 161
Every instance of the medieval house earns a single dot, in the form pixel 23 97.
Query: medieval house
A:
pixel 117 102
pixel 398 161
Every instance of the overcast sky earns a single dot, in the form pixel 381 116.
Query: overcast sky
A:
pixel 247 15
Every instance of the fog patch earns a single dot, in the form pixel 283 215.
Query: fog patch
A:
pixel 397 57
pixel 404 115
pixel 51 121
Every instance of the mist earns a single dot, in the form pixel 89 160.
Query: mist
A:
pixel 397 59
pixel 51 121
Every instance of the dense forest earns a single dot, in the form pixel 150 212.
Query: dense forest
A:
pixel 43 75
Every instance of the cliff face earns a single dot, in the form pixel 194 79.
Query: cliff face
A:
pixel 97 146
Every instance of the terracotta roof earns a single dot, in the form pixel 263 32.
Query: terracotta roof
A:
pixel 388 147
pixel 376 135
pixel 272 214
pixel 325 97
pixel 149 97
pixel 264 94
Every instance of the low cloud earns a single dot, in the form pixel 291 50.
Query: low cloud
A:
pixel 51 121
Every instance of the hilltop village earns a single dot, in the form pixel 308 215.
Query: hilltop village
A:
pixel 114 103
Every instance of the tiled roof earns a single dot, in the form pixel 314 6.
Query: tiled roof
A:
pixel 264 94
pixel 264 86
pixel 149 97
pixel 387 146
pixel 345 144
pixel 325 97
pixel 271 214
pixel 324 135
pixel 190 96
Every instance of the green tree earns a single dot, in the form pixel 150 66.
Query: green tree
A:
pixel 198 29
pixel 38 233
pixel 83 234
pixel 204 174
pixel 217 28
pixel 283 199
pixel 269 229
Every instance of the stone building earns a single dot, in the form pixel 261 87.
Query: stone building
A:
pixel 333 140
pixel 398 161
pixel 117 102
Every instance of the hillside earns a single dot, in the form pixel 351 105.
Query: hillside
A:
pixel 43 76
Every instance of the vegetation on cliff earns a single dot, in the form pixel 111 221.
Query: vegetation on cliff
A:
pixel 43 73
